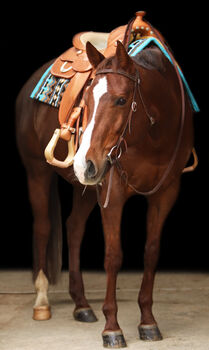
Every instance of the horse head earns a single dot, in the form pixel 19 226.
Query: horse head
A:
pixel 109 100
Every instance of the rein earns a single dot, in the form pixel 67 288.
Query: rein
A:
pixel 133 109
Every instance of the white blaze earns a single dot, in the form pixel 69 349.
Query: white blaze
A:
pixel 80 158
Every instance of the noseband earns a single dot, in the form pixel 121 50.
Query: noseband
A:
pixel 115 160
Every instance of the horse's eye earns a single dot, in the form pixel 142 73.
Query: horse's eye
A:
pixel 120 101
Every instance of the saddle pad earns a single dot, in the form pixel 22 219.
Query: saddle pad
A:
pixel 50 89
pixel 140 44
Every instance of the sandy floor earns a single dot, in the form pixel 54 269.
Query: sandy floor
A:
pixel 181 308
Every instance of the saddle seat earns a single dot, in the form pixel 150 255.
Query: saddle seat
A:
pixel 98 39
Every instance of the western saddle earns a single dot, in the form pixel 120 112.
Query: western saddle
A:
pixel 73 64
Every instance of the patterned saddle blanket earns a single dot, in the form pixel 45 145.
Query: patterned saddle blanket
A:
pixel 50 89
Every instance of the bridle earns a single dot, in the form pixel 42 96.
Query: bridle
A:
pixel 133 108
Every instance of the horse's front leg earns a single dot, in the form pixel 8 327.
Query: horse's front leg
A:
pixel 82 207
pixel 159 205
pixel 111 217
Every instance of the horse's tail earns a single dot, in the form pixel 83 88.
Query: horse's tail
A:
pixel 54 248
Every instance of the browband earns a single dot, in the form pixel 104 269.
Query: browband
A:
pixel 135 78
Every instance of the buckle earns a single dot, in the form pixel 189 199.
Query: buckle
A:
pixel 109 155
pixel 134 106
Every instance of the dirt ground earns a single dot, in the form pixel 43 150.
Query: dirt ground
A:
pixel 181 306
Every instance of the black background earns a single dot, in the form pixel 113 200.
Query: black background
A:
pixel 33 34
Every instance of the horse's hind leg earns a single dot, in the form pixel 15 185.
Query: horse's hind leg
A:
pixel 159 205
pixel 82 207
pixel 46 232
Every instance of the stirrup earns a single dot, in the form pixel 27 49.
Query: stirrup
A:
pixel 49 151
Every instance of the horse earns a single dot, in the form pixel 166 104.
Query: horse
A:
pixel 138 140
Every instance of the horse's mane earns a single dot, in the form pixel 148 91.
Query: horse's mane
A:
pixel 150 58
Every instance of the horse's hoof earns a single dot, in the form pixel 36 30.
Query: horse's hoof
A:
pixel 113 339
pixel 84 315
pixel 42 313
pixel 149 332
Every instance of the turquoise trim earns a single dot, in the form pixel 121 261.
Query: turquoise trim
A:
pixel 189 92
pixel 40 82
pixel 139 45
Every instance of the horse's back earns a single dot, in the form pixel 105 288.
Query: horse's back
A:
pixel 23 100
pixel 26 109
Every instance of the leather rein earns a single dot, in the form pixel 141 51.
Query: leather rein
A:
pixel 115 160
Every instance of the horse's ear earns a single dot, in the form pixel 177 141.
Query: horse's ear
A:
pixel 94 56
pixel 124 60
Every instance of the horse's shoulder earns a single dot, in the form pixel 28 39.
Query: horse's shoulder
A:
pixel 151 58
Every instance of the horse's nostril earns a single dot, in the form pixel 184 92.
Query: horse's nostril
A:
pixel 90 170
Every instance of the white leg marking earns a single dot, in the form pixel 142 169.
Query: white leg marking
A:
pixel 80 158
pixel 41 285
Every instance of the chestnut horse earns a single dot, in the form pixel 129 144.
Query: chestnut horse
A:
pixel 134 128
